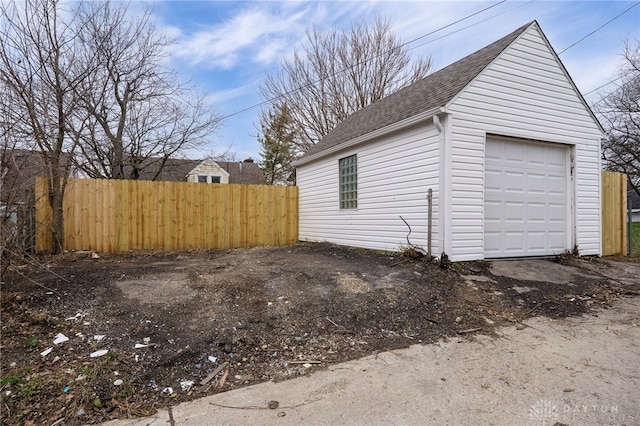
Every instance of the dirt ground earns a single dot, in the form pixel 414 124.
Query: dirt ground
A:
pixel 179 326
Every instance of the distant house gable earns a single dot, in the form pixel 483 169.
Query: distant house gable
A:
pixel 208 171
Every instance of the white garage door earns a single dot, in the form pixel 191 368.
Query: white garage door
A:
pixel 525 204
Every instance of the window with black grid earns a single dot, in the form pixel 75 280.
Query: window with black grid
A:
pixel 348 182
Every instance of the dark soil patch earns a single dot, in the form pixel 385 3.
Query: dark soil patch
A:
pixel 250 315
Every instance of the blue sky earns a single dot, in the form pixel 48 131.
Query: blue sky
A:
pixel 227 48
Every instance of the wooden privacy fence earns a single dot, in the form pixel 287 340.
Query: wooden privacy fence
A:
pixel 119 215
pixel 614 213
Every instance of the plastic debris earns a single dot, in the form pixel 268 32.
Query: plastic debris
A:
pixel 80 413
pixel 66 389
pixel 46 352
pixel 118 382
pixel 212 359
pixel 186 385
pixel 168 391
pixel 140 345
pixel 60 338
pixel 101 352
pixel 146 340
pixel 95 255
pixel 78 315
pixel 99 337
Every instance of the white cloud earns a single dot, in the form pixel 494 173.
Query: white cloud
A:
pixel 255 34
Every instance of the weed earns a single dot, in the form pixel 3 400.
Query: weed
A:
pixel 29 388
pixel 31 342
pixel 411 252
pixel 111 356
pixel 11 378
pixel 568 257
pixel 17 378
pixel 124 391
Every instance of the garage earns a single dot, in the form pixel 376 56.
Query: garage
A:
pixel 494 156
pixel 527 202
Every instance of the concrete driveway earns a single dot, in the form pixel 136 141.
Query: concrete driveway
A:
pixel 575 371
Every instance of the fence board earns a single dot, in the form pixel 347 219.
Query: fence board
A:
pixel 117 216
pixel 614 213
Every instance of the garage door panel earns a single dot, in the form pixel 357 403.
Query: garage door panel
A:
pixel 536 183
pixel 557 241
pixel 514 181
pixel 536 213
pixel 557 213
pixel 556 185
pixel 492 180
pixel 536 240
pixel 535 157
pixel 492 212
pixel 514 212
pixel 525 198
pixel 514 240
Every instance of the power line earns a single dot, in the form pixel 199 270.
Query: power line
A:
pixel 599 28
pixel 472 25
pixel 630 81
pixel 268 101
pixel 603 85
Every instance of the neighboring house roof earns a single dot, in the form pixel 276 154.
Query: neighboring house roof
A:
pixel 21 167
pixel 177 169
pixel 173 169
pixel 433 91
pixel 633 198
pixel 244 172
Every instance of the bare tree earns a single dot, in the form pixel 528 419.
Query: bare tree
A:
pixel 619 110
pixel 338 73
pixel 41 70
pixel 139 110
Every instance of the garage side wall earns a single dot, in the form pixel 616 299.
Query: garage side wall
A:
pixel 524 93
pixel 394 175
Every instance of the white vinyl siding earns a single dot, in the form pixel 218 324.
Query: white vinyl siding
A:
pixel 394 175
pixel 523 94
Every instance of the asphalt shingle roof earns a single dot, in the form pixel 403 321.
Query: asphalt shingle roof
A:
pixel 433 91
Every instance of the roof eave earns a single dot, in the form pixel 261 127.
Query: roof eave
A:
pixel 407 122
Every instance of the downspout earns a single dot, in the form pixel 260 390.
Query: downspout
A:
pixel 440 122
